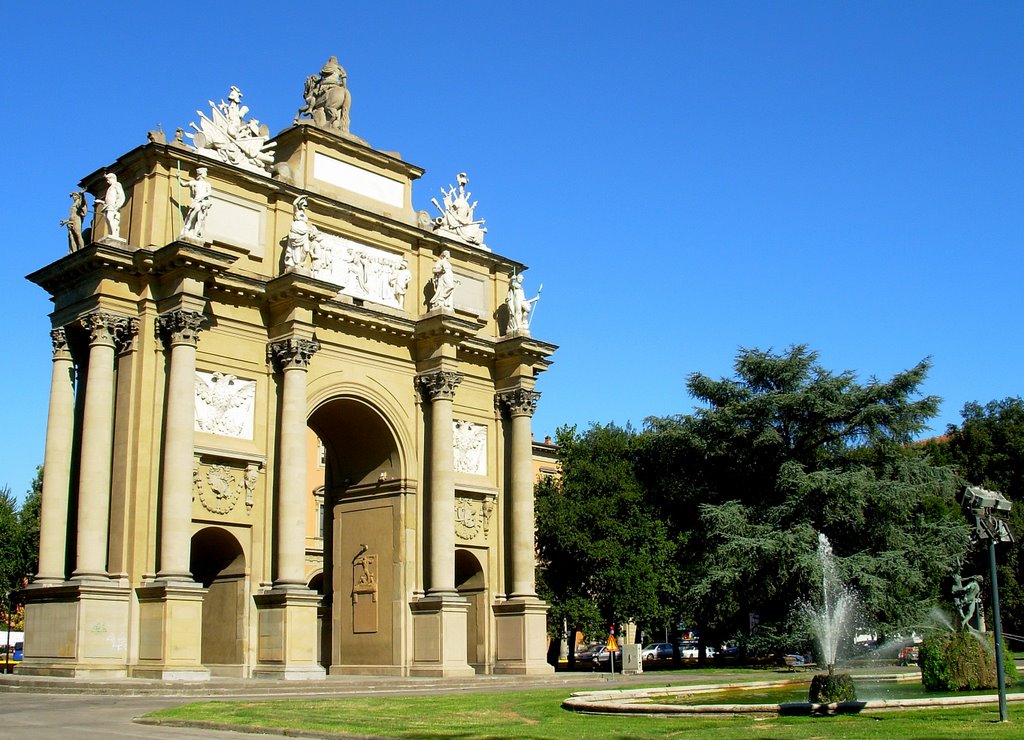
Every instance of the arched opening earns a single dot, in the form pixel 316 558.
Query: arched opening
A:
pixel 471 584
pixel 218 563
pixel 363 483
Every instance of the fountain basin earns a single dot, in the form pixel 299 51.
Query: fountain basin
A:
pixel 657 701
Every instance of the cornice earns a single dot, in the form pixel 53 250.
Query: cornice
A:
pixel 99 258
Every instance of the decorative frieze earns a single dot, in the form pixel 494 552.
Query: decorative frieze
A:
pixel 180 327
pixel 224 405
pixel 469 446
pixel 292 352
pixel 439 384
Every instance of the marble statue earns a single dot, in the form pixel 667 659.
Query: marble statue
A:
pixel 297 247
pixel 226 135
pixel 444 283
pixel 110 205
pixel 194 225
pixel 469 447
pixel 456 219
pixel 518 305
pixel 328 100
pixel 74 221
pixel 399 282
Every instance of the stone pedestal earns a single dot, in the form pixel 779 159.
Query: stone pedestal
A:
pixel 171 632
pixel 520 628
pixel 439 637
pixel 288 635
pixel 76 630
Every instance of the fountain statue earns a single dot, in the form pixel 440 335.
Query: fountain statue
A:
pixel 828 623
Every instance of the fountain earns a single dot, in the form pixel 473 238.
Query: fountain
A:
pixel 828 622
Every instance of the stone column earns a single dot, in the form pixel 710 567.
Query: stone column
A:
pixel 60 422
pixel 520 405
pixel 105 330
pixel 180 330
pixel 439 388
pixel 292 357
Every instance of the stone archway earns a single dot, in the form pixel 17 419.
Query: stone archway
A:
pixel 472 586
pixel 218 563
pixel 364 582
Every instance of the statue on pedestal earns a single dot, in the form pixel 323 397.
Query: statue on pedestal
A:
pixel 456 219
pixel 110 205
pixel 74 221
pixel 227 136
pixel 194 225
pixel 444 283
pixel 328 100
pixel 518 305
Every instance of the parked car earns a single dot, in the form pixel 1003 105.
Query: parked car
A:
pixel 657 651
pixel 586 652
pixel 603 655
pixel 690 649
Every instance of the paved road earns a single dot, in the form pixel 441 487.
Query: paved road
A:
pixel 92 717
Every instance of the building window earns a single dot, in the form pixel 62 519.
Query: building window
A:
pixel 321 454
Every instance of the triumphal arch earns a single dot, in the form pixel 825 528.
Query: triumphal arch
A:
pixel 235 292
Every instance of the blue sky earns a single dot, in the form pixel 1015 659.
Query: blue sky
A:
pixel 684 178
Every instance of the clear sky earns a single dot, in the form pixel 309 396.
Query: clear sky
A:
pixel 684 178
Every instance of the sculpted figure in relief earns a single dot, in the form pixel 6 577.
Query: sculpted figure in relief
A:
pixel 469 447
pixel 74 221
pixel 518 305
pixel 194 225
pixel 444 283
pixel 400 283
pixel 456 219
pixel 224 404
pixel 328 101
pixel 111 204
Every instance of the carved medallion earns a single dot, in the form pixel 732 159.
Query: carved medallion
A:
pixel 221 490
pixel 472 517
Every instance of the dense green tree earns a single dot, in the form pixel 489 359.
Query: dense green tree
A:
pixel 988 450
pixel 604 555
pixel 780 452
pixel 28 525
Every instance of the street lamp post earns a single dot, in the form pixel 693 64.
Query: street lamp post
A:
pixel 983 505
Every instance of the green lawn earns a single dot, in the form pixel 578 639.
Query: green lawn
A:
pixel 538 714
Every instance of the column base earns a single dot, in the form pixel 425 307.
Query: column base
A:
pixel 288 635
pixel 520 629
pixel 171 632
pixel 77 629
pixel 439 626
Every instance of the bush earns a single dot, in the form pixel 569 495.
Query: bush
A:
pixel 963 661
pixel 831 687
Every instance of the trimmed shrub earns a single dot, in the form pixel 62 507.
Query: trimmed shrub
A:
pixel 963 661
pixel 831 687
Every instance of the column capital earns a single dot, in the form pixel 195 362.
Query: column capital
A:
pixel 180 327
pixel 110 329
pixel 518 401
pixel 438 384
pixel 293 352
pixel 61 348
